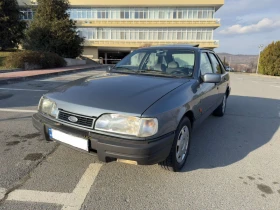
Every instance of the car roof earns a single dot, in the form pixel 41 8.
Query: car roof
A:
pixel 177 46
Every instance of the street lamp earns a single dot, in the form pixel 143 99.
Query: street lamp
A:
pixel 260 50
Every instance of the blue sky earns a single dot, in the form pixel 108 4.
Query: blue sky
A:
pixel 246 24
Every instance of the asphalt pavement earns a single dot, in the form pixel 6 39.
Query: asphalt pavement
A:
pixel 234 161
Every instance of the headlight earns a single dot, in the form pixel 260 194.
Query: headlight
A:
pixel 48 107
pixel 134 126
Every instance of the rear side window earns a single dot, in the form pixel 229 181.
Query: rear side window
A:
pixel 216 65
pixel 205 65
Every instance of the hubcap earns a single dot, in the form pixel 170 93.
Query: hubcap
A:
pixel 224 103
pixel 182 144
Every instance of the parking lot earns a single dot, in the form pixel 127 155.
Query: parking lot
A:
pixel 234 161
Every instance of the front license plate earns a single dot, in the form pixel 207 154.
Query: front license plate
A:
pixel 68 139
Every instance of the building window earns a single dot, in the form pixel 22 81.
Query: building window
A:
pixel 141 35
pixel 190 14
pixel 138 13
pixel 146 33
pixel 102 14
pixel 175 15
pixel 26 14
pixel 179 35
pixel 161 15
pixel 205 14
pixel 210 14
pixel 122 15
pixel 180 14
pixel 199 14
pixel 195 14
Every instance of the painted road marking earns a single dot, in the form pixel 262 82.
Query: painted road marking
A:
pixel 70 201
pixel 275 86
pixel 39 197
pixel 18 110
pixel 15 89
pixel 82 189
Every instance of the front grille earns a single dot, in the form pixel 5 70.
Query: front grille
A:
pixel 82 120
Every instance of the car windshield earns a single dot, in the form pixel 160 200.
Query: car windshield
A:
pixel 161 62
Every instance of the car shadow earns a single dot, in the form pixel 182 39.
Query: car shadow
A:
pixel 249 123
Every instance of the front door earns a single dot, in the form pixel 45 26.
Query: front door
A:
pixel 222 86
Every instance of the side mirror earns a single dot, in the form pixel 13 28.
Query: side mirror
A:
pixel 211 78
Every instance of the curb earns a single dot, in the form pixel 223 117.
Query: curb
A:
pixel 267 76
pixel 10 70
pixel 20 79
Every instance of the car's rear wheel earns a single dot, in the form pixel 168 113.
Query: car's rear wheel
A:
pixel 220 111
pixel 180 147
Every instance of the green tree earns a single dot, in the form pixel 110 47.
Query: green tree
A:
pixel 53 31
pixel 11 27
pixel 270 60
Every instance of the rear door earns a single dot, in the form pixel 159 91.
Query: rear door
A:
pixel 218 69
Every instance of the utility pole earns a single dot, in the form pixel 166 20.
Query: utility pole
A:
pixel 260 50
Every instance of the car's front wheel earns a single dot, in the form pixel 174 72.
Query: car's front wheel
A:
pixel 180 147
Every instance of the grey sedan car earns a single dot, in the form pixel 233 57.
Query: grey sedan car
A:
pixel 143 110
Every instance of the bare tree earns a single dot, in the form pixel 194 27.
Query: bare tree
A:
pixel 253 66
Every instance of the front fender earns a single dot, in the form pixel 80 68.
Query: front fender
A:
pixel 170 109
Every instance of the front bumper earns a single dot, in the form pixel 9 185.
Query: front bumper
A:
pixel 146 152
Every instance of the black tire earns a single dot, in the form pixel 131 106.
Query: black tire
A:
pixel 221 109
pixel 171 163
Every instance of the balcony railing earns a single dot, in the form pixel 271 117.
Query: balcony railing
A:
pixel 138 43
pixel 105 22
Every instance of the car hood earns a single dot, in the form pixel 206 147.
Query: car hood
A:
pixel 111 93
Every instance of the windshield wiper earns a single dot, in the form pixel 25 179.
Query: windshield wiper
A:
pixel 158 73
pixel 124 69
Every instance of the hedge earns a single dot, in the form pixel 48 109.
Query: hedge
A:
pixel 44 60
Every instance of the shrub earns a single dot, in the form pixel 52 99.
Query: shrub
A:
pixel 270 60
pixel 43 59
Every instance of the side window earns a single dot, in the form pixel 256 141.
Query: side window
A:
pixel 205 65
pixel 222 65
pixel 184 59
pixel 216 64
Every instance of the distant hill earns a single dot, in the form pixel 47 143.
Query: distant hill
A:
pixel 239 59
pixel 246 63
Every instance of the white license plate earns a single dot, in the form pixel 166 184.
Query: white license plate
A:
pixel 68 139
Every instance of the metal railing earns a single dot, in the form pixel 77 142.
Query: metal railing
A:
pixel 143 21
pixel 154 41
pixel 139 43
